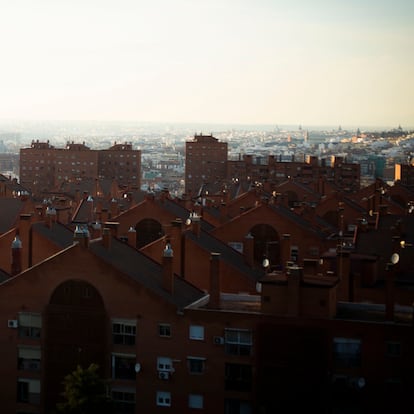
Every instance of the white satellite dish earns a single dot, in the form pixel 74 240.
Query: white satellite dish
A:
pixel 361 382
pixel 137 367
pixel 395 258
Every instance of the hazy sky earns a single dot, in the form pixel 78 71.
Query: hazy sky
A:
pixel 336 62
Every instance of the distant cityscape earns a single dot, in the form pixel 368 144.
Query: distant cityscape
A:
pixel 163 145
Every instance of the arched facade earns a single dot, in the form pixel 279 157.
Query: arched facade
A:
pixel 266 244
pixel 75 315
pixel 148 230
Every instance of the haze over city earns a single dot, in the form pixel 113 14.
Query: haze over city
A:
pixel 241 62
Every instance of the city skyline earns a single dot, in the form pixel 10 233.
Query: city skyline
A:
pixel 242 62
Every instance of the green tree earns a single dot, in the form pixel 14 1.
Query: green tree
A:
pixel 85 393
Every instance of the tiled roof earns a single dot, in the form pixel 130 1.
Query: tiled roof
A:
pixel 58 233
pixel 145 271
pixel 10 209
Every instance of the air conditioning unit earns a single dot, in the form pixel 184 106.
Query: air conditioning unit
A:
pixel 12 323
pixel 164 375
pixel 218 340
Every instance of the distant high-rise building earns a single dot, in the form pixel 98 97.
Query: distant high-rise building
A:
pixel 205 162
pixel 44 167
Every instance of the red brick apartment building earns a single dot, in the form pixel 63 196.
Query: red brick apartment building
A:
pixel 181 315
pixel 205 161
pixel 44 167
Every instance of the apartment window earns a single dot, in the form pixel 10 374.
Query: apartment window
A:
pixel 393 349
pixel 238 377
pixel 164 364
pixel 238 341
pixel 164 398
pixel 196 365
pixel 197 332
pixel 347 352
pixel 164 329
pixel 233 406
pixel 195 401
pixel 123 366
pixel 28 391
pixel 30 325
pixel 123 333
pixel 28 358
pixel 124 401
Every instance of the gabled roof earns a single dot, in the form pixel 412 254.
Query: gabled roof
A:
pixel 181 212
pixel 228 254
pixel 145 271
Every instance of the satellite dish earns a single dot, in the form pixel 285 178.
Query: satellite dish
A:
pixel 265 263
pixel 137 367
pixel 361 382
pixel 395 258
pixel 188 222
pixel 371 213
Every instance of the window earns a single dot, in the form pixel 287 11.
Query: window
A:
pixel 197 332
pixel 164 364
pixel 238 377
pixel 195 401
pixel 164 329
pixel 164 398
pixel 237 407
pixel 347 352
pixel 30 325
pixel 28 391
pixel 393 349
pixel 124 333
pixel 238 341
pixel 124 401
pixel 123 367
pixel 196 365
pixel 28 358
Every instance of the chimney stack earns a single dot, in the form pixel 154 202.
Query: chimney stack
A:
pixel 214 302
pixel 106 237
pixel 167 269
pixel 294 277
pixel 16 265
pixel 81 235
pixel 248 249
pixel 195 219
pixel 285 255
pixel 132 237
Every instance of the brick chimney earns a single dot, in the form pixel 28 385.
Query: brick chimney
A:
pixel 81 235
pixel 113 226
pixel 285 255
pixel 294 277
pixel 16 248
pixel 132 237
pixel 177 245
pixel 195 220
pixel 106 237
pixel 167 269
pixel 343 265
pixel 214 301
pixel 389 292
pixel 50 217
pixel 24 228
pixel 248 249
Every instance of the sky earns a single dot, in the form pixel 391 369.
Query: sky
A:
pixel 319 62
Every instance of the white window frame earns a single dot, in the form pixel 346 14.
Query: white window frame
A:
pixel 196 332
pixel 165 364
pixel 163 399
